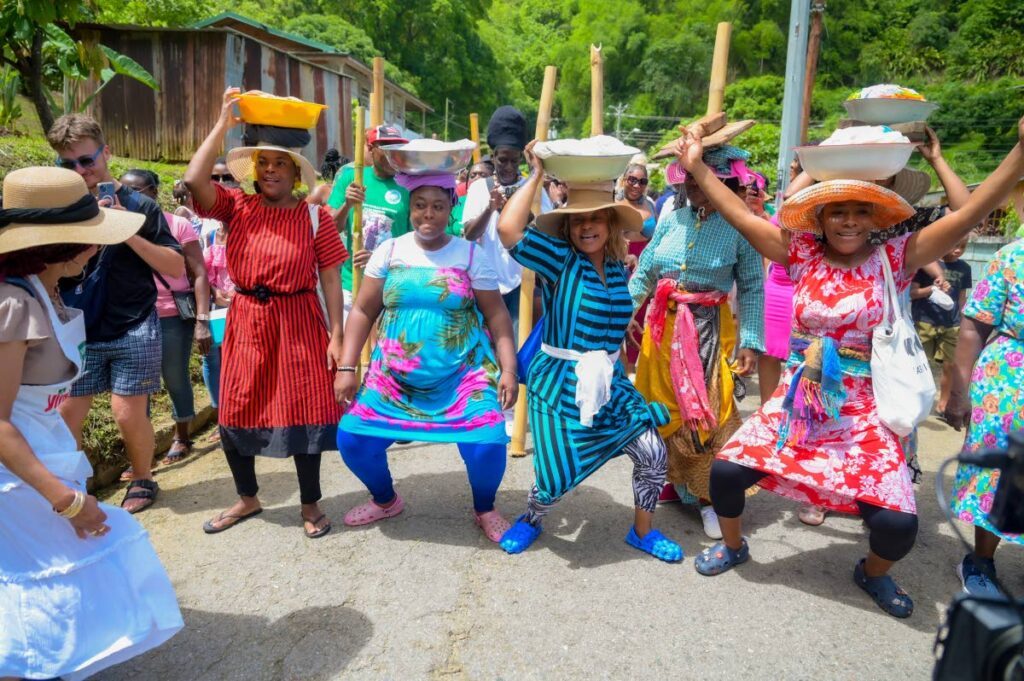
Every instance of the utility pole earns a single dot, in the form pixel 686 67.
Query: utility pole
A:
pixel 792 102
pixel 618 110
pixel 813 49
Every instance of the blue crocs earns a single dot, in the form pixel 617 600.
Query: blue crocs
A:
pixel 656 544
pixel 885 592
pixel 519 537
pixel 720 558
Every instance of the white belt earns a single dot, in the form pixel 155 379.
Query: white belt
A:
pixel 594 371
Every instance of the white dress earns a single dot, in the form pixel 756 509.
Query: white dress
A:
pixel 71 607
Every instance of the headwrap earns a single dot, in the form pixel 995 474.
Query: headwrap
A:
pixel 507 128
pixel 444 181
pixel 289 138
pixel 725 161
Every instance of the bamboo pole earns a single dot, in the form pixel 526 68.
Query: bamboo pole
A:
pixel 811 71
pixel 719 68
pixel 547 96
pixel 357 214
pixel 377 94
pixel 596 91
pixel 474 135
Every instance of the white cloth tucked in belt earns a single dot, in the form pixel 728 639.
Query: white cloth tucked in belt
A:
pixel 594 371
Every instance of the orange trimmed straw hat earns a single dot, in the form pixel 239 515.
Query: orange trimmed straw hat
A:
pixel 590 197
pixel 800 213
pixel 44 206
pixel 241 161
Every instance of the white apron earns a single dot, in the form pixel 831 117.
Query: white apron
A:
pixel 71 607
pixel 36 412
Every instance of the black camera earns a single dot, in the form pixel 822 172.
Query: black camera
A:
pixel 982 638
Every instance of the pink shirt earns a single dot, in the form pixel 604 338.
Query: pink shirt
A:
pixel 182 230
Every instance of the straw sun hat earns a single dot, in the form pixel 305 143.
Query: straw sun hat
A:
pixel 587 198
pixel 241 161
pixel 800 212
pixel 45 206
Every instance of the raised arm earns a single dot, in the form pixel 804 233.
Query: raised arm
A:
pixel 956 191
pixel 516 214
pixel 770 241
pixel 934 241
pixel 197 175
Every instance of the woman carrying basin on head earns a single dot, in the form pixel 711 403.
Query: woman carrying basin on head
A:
pixel 583 409
pixel 819 439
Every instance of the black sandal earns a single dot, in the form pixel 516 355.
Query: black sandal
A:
pixel 141 489
pixel 176 455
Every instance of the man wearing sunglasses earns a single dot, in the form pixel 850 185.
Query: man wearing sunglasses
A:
pixel 122 350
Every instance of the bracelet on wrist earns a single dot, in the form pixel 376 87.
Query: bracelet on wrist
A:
pixel 347 369
pixel 74 508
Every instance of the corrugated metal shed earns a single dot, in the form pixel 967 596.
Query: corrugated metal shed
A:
pixel 193 67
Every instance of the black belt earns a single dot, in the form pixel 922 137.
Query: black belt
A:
pixel 264 294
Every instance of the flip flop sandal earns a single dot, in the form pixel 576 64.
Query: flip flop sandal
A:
pixel 520 536
pixel 210 528
pixel 885 592
pixel 656 544
pixel 370 512
pixel 720 558
pixel 178 451
pixel 127 474
pixel 493 525
pixel 316 532
pixel 141 489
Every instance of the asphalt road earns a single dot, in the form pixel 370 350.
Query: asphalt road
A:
pixel 425 595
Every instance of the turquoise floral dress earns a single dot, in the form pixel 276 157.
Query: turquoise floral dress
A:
pixel 432 375
pixel 997 382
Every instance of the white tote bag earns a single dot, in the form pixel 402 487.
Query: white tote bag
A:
pixel 900 375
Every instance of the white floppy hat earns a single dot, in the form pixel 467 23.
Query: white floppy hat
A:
pixel 44 206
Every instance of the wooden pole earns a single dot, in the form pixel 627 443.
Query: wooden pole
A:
pixel 377 94
pixel 547 96
pixel 474 135
pixel 719 68
pixel 596 91
pixel 811 72
pixel 357 214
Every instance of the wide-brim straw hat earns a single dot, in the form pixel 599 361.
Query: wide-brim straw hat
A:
pixel 50 190
pixel 587 198
pixel 800 213
pixel 241 161
pixel 911 184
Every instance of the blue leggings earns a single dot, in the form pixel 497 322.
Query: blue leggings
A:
pixel 367 457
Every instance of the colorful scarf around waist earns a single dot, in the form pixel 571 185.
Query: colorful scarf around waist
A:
pixel 816 394
pixel 685 363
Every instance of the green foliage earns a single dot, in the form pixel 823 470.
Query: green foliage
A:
pixel 10 86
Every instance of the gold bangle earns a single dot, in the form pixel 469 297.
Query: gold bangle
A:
pixel 74 508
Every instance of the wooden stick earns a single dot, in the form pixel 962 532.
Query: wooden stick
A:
pixel 719 68
pixel 811 72
pixel 596 91
pixel 377 94
pixel 547 96
pixel 357 214
pixel 474 134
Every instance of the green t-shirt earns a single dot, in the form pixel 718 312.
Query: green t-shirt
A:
pixel 455 223
pixel 385 212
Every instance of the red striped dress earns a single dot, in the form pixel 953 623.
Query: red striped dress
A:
pixel 276 392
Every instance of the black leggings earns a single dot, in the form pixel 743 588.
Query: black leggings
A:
pixel 891 533
pixel 307 466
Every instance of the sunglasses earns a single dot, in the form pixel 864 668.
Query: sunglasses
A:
pixel 637 181
pixel 87 161
pixel 227 177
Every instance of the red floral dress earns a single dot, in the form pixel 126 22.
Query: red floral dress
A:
pixel 855 458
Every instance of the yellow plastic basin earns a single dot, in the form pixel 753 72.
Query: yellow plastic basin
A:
pixel 260 108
